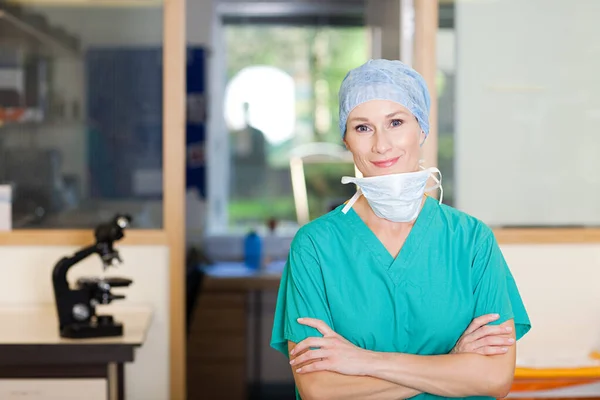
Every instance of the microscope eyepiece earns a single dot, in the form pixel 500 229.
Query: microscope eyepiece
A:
pixel 123 221
pixel 113 230
pixel 108 233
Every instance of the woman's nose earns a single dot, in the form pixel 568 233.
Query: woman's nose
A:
pixel 382 143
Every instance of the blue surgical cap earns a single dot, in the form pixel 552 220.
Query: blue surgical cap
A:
pixel 385 80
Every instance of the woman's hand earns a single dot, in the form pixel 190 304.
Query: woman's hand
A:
pixel 330 353
pixel 484 339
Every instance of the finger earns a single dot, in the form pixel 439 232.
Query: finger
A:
pixel 316 366
pixel 309 356
pixel 307 344
pixel 492 350
pixel 489 330
pixel 493 341
pixel 464 348
pixel 319 325
pixel 480 321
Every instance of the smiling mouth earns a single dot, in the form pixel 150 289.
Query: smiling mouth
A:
pixel 385 163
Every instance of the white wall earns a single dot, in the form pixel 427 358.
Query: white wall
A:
pixel 559 285
pixel 26 273
pixel 527 111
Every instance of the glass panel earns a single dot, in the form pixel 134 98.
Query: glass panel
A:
pixel 524 88
pixel 81 112
pixel 446 83
pixel 282 96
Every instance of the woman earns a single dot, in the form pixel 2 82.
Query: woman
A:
pixel 393 294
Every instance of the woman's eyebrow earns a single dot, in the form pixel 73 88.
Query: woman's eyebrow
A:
pixel 390 115
pixel 395 113
pixel 359 119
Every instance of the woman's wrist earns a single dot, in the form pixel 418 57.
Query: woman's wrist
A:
pixel 375 363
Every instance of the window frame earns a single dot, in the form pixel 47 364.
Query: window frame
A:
pixel 173 170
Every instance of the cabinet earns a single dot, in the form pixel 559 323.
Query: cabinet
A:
pixel 216 348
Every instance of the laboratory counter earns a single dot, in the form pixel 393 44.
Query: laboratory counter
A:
pixel 35 362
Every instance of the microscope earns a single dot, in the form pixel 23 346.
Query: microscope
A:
pixel 76 306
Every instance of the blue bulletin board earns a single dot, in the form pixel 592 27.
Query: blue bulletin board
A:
pixel 196 120
pixel 124 120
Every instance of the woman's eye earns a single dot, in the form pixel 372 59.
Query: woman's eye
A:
pixel 361 128
pixel 397 122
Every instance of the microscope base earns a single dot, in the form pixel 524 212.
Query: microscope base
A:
pixel 104 328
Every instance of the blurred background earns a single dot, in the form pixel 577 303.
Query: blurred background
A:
pixel 88 97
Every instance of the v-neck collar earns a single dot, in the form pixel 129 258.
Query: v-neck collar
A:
pixel 395 266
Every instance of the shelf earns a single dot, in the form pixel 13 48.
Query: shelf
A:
pixel 18 28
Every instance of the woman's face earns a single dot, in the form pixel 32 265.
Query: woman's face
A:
pixel 384 138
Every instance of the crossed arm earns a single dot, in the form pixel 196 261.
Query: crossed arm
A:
pixel 332 368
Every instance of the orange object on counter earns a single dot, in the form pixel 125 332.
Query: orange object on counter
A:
pixel 534 379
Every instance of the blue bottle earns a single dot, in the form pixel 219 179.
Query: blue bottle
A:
pixel 253 250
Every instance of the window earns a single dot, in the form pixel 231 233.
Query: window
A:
pixel 281 99
pixel 81 113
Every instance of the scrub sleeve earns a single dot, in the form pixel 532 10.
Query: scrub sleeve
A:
pixel 301 294
pixel 495 289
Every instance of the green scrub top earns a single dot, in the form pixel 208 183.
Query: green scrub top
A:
pixel 449 271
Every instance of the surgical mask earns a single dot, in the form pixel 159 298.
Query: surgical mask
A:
pixel 395 197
